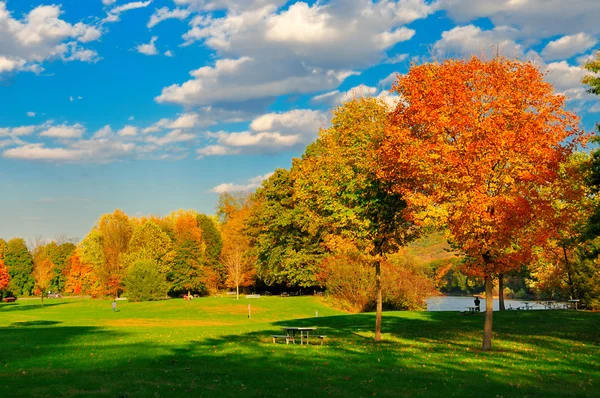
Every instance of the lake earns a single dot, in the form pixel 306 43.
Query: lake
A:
pixel 453 303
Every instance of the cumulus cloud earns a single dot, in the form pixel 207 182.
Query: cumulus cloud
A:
pixel 128 131
pixel 64 131
pixel 42 35
pixel 568 46
pixel 472 40
pixel 164 13
pixel 250 185
pixel 389 80
pixel 149 48
pixel 30 114
pixel 266 51
pixel 567 80
pixel 269 133
pixel 532 18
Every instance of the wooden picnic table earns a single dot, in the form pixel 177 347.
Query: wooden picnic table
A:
pixel 304 333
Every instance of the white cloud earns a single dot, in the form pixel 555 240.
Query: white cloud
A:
pixel 64 131
pixel 113 14
pixel 128 131
pixel 338 97
pixel 388 81
pixel 42 35
pixel 5 143
pixel 163 13
pixel 168 53
pixel 231 5
pixel 472 40
pixel 567 80
pixel 86 151
pixel 216 150
pixel 266 52
pixel 30 114
pixel 568 46
pixel 104 132
pixel 108 2
pixel 533 18
pixel 251 185
pixel 270 133
pixel 148 49
pixel 222 83
pixel 185 121
pixel 174 136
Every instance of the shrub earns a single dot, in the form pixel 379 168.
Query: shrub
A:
pixel 350 283
pixel 145 282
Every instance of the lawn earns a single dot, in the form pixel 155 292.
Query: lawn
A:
pixel 209 348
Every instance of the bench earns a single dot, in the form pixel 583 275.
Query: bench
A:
pixel 253 296
pixel 322 338
pixel 9 299
pixel 287 338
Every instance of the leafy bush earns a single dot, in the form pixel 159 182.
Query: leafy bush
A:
pixel 145 282
pixel 350 283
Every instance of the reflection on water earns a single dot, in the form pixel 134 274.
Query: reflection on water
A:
pixel 449 303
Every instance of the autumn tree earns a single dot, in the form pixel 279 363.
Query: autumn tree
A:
pixel 90 253
pixel 3 246
pixel 235 254
pixel 472 145
pixel 19 262
pixel 43 273
pixel 4 276
pixel 286 240
pixel 337 181
pixel 79 277
pixel 116 231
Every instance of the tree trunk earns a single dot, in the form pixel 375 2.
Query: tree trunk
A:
pixel 42 297
pixel 501 291
pixel 379 300
pixel 237 291
pixel 489 310
pixel 568 268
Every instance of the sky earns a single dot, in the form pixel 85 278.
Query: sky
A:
pixel 158 105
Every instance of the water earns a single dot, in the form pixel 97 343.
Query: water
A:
pixel 450 303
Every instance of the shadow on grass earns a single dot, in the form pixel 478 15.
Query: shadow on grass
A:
pixel 34 323
pixel 424 355
pixel 27 307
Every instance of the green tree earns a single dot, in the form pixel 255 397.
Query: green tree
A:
pixel 150 242
pixel 337 181
pixel 287 244
pixel 187 271
pixel 144 282
pixel 212 240
pixel 19 261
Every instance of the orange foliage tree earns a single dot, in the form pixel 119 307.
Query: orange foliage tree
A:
pixel 80 276
pixel 235 254
pixel 472 145
pixel 4 276
pixel 43 272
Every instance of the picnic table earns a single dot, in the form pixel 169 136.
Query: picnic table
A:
pixel 549 304
pixel 527 306
pixel 472 310
pixel 574 301
pixel 304 333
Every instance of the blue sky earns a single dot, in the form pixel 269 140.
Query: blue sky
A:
pixel 155 105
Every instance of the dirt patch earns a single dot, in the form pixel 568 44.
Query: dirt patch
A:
pixel 163 323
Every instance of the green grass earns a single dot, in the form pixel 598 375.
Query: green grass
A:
pixel 209 348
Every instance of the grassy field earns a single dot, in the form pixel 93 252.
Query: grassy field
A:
pixel 209 348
